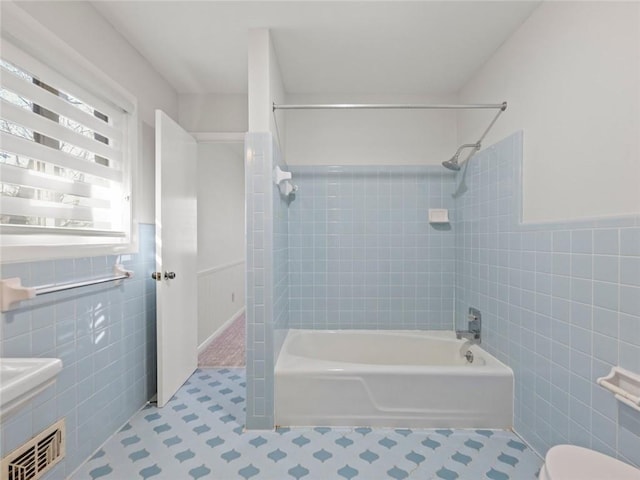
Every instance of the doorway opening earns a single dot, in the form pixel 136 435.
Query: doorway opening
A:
pixel 221 255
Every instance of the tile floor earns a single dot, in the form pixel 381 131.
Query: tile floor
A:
pixel 199 434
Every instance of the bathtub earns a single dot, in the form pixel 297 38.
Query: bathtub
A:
pixel 384 378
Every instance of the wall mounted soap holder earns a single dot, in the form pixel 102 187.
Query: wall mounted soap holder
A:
pixel 438 215
pixel 625 386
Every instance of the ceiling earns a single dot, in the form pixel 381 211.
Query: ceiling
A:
pixel 396 47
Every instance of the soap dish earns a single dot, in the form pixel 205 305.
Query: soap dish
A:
pixel 438 215
pixel 625 386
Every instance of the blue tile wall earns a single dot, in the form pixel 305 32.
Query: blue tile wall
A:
pixel 267 299
pixel 281 258
pixel 106 338
pixel 560 304
pixel 362 253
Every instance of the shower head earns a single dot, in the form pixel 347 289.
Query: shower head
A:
pixel 452 163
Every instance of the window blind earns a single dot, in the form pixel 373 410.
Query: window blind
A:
pixel 63 165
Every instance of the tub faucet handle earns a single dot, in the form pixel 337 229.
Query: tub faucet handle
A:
pixel 475 322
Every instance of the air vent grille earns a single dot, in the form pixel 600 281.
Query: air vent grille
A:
pixel 37 456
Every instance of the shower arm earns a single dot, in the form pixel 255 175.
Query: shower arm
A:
pixel 475 146
pixel 478 144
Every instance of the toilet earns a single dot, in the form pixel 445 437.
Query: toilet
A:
pixel 569 462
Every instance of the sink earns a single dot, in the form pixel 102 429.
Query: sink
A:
pixel 21 379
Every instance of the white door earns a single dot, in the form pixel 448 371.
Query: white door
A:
pixel 176 255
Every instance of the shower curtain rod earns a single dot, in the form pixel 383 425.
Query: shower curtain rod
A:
pixel 389 106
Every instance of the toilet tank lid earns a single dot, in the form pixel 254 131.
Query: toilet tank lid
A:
pixel 570 462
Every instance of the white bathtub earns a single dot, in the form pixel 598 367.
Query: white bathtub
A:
pixel 386 378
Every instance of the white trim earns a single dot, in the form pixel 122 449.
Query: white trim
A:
pixel 26 230
pixel 225 266
pixel 76 247
pixel 218 137
pixel 203 346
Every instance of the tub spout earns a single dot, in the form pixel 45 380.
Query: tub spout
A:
pixel 472 337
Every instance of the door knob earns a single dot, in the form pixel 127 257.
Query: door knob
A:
pixel 156 276
pixel 169 275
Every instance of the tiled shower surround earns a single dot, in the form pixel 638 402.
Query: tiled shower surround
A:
pixel 560 305
pixel 267 287
pixel 560 301
pixel 106 338
pixel 362 253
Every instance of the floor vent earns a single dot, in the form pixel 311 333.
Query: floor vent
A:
pixel 37 456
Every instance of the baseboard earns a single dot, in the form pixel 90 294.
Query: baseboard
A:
pixel 203 346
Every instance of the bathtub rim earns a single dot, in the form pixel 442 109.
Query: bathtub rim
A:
pixel 288 363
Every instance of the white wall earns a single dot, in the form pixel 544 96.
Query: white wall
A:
pixel 221 298
pixel 345 137
pixel 86 31
pixel 220 204
pixel 370 137
pixel 213 112
pixel 277 121
pixel 265 86
pixel 221 247
pixel 571 75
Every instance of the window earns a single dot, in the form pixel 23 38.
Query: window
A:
pixel 65 156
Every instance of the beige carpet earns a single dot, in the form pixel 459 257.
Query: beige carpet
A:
pixel 227 349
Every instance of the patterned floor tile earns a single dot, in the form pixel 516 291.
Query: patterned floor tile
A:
pixel 200 434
